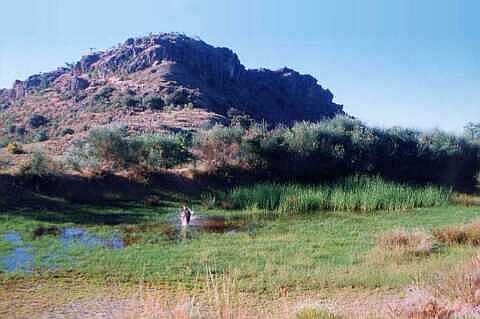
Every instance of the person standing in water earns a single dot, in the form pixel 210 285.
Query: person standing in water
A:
pixel 185 215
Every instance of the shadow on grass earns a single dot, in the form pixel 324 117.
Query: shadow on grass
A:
pixel 70 213
pixel 108 200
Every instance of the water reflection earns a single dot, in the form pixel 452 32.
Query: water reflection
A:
pixel 21 258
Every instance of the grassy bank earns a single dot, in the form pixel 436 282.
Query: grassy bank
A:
pixel 316 252
pixel 356 193
pixel 325 254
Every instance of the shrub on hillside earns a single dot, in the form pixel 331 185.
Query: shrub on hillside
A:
pixel 179 96
pixel 37 120
pixel 220 146
pixel 341 147
pixel 20 131
pixel 4 163
pixel 104 93
pixel 4 141
pixel 38 166
pixel 154 102
pixel 240 118
pixel 131 101
pixel 104 149
pixel 40 136
pixel 110 149
pixel 161 151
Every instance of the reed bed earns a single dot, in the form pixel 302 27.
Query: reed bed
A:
pixel 356 193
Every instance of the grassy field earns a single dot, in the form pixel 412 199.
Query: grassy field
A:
pixel 323 252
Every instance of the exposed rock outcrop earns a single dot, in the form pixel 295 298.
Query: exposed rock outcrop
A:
pixel 133 82
pixel 191 71
pixel 77 84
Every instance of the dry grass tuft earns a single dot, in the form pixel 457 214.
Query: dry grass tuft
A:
pixel 222 294
pixel 466 199
pixel 403 242
pixel 431 310
pixel 462 284
pixel 220 298
pixel 154 305
pixel 451 235
pixel 313 313
pixel 420 304
pixel 455 294
pixel 459 234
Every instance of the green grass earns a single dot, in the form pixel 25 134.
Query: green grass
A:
pixel 319 252
pixel 356 193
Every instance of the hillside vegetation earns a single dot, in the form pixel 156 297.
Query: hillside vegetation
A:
pixel 156 83
pixel 306 151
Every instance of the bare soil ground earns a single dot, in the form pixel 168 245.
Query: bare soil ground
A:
pixel 76 298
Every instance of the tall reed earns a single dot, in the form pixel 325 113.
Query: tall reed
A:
pixel 355 193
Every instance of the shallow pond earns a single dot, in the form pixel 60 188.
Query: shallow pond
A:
pixel 21 258
pixel 213 224
pixel 22 254
pixel 76 235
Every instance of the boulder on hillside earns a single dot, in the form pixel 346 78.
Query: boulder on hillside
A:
pixel 77 84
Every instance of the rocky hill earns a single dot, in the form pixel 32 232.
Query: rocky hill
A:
pixel 157 82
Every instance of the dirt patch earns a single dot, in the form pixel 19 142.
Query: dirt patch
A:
pixel 41 231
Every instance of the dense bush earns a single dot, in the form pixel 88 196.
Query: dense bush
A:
pixel 179 96
pixel 305 152
pixel 38 166
pixel 161 150
pixel 131 101
pixel 413 242
pixel 342 147
pixel 37 120
pixel 220 146
pixel 472 132
pixel 111 149
pixel 104 93
pixel 20 131
pixel 4 163
pixel 40 136
pixel 459 234
pixel 4 141
pixel 104 149
pixel 239 118
pixel 154 102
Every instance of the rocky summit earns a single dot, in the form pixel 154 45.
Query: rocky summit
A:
pixel 160 81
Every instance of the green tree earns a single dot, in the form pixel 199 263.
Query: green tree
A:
pixel 472 131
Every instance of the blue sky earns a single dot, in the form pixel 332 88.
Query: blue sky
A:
pixel 392 62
